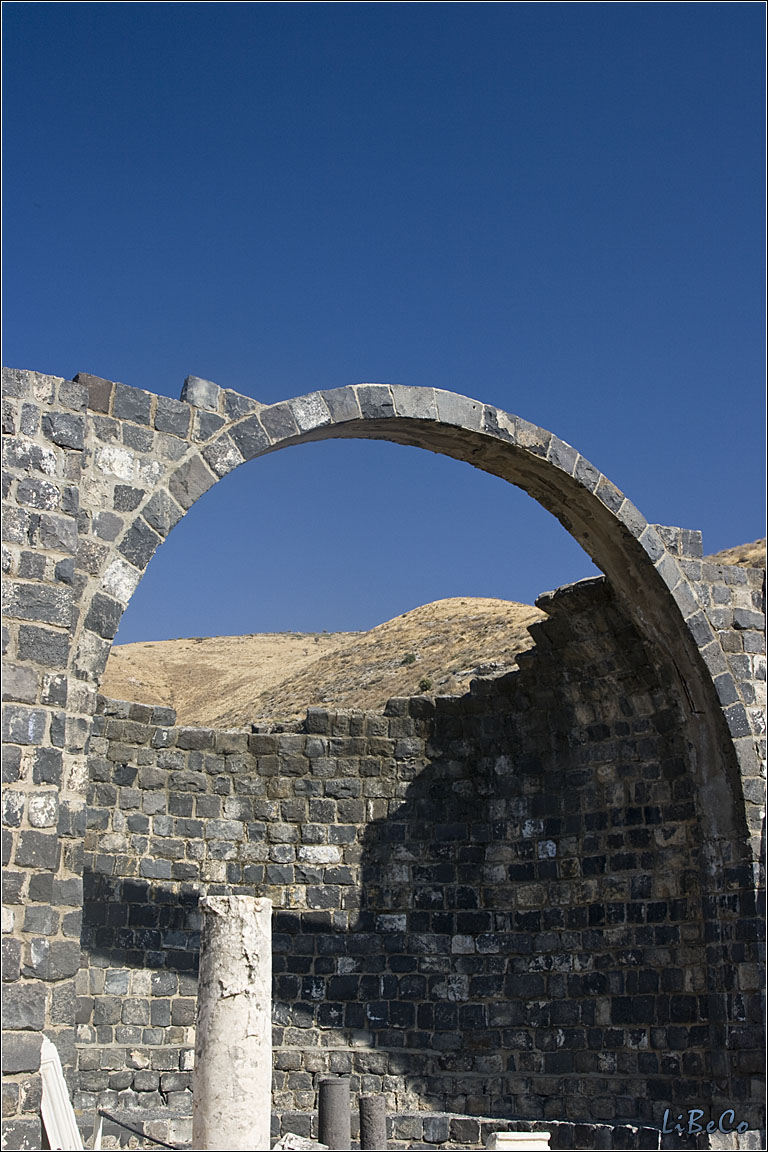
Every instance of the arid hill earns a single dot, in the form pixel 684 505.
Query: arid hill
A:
pixel 233 681
pixel 744 555
pixel 204 678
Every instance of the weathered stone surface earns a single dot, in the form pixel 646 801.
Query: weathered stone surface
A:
pixel 43 809
pixel 21 1052
pixel 53 960
pixel 139 438
pixel 18 526
pixel 57 533
pixel 13 885
pixel 54 690
pixel 13 807
pixel 633 519
pixel 92 653
pixel 223 455
pixel 70 500
pixel 107 526
pixel 250 437
pixel 11 764
pixel 139 544
pixel 64 571
pixel 310 411
pixel 121 580
pixel 20 453
pixel 162 512
pixel 375 401
pixel 72 394
pixel 11 958
pixel 562 455
pixel 19 683
pixel 99 391
pixel 31 566
pixel 8 413
pixel 201 393
pixel 38 850
pixel 681 541
pixel 236 405
pixel 461 410
pixel 207 424
pixel 41 921
pixel 499 424
pixel 64 430
pixel 586 474
pixel 35 492
pixel 342 404
pixel 90 556
pixel 37 602
pixel 744 618
pixel 170 448
pixel 609 494
pixel 23 725
pixel 22 1132
pixel 131 404
pixel 172 416
pixel 416 403
pixel 534 439
pixel 190 481
pixel 104 616
pixel 163 716
pixel 278 422
pixel 24 1007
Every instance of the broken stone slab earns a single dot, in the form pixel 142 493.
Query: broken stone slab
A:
pixel 519 1141
pixel 298 1144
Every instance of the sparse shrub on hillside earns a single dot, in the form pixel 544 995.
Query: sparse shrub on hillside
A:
pixel 425 684
pixel 409 658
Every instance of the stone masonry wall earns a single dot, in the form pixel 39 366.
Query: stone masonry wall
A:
pixel 489 904
pixel 96 474
pixel 46 721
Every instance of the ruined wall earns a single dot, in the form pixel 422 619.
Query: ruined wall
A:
pixel 489 904
pixel 46 720
pixel 96 474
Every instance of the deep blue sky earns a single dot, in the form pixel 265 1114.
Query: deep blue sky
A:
pixel 555 208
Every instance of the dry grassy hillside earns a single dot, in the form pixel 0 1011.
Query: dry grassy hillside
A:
pixel 234 680
pixel 744 555
pixel 437 648
pixel 200 678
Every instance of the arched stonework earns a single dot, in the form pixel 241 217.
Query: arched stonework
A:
pixel 98 473
pixel 224 429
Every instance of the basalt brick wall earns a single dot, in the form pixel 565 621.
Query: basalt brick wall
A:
pixel 95 475
pixel 489 904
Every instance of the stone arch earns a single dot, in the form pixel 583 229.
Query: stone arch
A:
pixel 228 429
pixel 97 475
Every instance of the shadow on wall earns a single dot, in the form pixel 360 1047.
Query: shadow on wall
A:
pixel 490 904
pixel 140 924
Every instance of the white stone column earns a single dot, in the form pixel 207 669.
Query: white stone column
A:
pixel 232 1084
